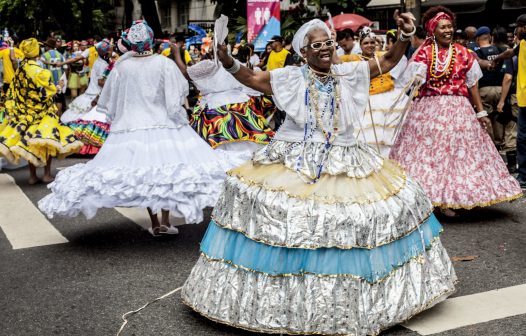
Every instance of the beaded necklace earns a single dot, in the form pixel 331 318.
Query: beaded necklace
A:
pixel 143 53
pixel 440 71
pixel 315 119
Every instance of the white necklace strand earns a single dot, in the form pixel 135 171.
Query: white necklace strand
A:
pixel 441 66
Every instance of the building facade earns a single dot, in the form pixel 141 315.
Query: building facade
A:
pixel 176 15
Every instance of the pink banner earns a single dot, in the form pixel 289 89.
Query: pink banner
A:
pixel 263 20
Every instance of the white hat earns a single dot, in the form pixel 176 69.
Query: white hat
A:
pixel 299 37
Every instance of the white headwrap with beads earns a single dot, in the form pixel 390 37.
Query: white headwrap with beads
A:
pixel 306 28
pixel 366 32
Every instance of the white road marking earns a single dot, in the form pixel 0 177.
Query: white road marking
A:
pixel 141 217
pixel 470 309
pixel 23 224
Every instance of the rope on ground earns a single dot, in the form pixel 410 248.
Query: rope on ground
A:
pixel 133 312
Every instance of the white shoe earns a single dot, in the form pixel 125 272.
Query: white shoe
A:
pixel 169 230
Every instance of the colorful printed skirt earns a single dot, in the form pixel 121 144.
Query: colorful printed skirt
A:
pixel 444 148
pixel 36 141
pixel 91 132
pixel 353 254
pixel 92 129
pixel 230 123
pixel 263 106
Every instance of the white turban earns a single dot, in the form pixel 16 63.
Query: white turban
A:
pixel 306 28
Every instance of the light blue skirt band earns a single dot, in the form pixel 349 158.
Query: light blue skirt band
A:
pixel 370 264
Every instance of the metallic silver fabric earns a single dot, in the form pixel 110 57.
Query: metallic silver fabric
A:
pixel 275 218
pixel 358 160
pixel 311 304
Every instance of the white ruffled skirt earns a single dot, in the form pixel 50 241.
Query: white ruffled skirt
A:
pixel 381 120
pixel 239 152
pixel 163 169
pixel 78 108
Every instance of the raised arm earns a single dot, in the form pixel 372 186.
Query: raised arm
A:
pixel 176 52
pixel 259 81
pixel 71 60
pixel 13 58
pixel 390 59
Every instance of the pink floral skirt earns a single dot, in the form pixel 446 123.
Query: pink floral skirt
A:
pixel 444 148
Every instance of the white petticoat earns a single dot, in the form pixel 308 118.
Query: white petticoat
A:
pixel 94 115
pixel 382 133
pixel 78 108
pixel 238 152
pixel 160 168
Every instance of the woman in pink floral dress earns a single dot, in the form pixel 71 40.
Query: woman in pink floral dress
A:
pixel 443 143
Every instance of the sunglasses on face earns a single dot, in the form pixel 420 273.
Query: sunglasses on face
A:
pixel 319 45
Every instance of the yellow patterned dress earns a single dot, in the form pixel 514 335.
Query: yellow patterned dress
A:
pixel 30 128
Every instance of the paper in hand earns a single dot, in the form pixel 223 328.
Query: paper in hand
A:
pixel 220 34
pixel 64 79
pixel 331 22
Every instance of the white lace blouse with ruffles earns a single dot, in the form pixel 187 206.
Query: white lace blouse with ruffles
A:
pixel 216 86
pixel 288 88
pixel 132 98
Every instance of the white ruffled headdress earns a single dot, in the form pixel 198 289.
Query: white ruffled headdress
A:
pixel 299 37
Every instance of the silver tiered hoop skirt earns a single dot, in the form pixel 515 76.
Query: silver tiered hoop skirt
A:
pixel 353 254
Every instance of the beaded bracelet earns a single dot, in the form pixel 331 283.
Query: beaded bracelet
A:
pixel 482 114
pixel 406 37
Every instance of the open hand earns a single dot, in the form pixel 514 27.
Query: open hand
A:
pixel 333 34
pixel 485 122
pixel 405 21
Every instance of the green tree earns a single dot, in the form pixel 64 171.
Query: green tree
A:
pixel 232 8
pixel 74 18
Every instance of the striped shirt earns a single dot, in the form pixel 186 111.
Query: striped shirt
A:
pixel 53 56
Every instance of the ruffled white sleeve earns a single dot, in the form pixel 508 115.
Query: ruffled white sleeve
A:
pixel 288 91
pixel 175 91
pixel 474 74
pixel 399 68
pixel 414 73
pixel 107 103
pixel 355 81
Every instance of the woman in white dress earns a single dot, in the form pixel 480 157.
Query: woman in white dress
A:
pixel 152 158
pixel 387 96
pixel 319 234
pixel 224 115
pixel 90 127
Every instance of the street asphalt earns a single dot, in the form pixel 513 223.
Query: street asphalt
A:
pixel 111 266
